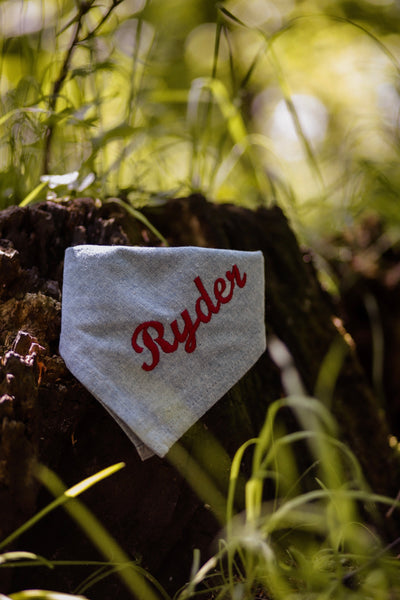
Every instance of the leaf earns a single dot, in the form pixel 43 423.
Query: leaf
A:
pixel 54 181
pixel 7 557
pixel 120 131
pixel 137 580
pixel 86 182
pixel 72 492
pixel 16 111
pixel 43 595
pixel 230 15
pixel 33 194
pixel 89 69
pixel 82 486
pixel 140 217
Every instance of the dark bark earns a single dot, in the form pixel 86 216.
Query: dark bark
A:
pixel 48 416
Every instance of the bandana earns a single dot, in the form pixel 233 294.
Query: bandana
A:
pixel 158 335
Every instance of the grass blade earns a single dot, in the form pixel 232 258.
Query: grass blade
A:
pixel 62 499
pixel 132 576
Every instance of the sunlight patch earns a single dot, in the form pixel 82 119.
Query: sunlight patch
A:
pixel 286 134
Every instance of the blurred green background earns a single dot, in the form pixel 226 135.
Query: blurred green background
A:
pixel 250 101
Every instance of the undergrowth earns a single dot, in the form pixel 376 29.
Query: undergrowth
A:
pixel 105 99
pixel 314 538
pixel 86 108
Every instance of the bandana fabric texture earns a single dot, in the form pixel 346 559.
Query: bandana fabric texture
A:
pixel 158 335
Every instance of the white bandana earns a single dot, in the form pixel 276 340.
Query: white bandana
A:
pixel 158 335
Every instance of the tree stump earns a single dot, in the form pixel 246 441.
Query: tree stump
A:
pixel 47 416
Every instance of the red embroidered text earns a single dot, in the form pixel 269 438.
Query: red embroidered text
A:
pixel 153 333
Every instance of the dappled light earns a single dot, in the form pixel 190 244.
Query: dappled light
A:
pixel 218 126
pixel 304 116
pixel 316 89
pixel 267 15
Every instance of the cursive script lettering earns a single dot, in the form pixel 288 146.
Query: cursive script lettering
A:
pixel 151 334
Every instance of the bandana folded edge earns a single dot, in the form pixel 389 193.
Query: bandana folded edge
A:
pixel 141 446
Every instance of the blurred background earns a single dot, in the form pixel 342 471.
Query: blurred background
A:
pixel 249 101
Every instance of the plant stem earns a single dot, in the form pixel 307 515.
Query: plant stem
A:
pixel 59 82
pixel 84 8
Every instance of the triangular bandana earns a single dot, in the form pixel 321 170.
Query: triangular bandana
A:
pixel 158 335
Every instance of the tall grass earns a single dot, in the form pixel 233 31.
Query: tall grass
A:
pixel 315 537
pixel 139 582
pixel 82 113
pixel 101 93
pixel 315 543
pixel 98 95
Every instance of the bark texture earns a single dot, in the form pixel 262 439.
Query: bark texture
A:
pixel 47 416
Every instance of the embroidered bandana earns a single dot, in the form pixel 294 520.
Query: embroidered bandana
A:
pixel 158 335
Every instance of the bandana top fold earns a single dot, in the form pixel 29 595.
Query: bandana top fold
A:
pixel 158 335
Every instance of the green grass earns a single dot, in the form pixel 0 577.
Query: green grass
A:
pixel 107 92
pixel 83 114
pixel 138 581
pixel 315 538
pixel 311 544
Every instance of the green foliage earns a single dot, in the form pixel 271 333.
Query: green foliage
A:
pixel 258 102
pixel 314 539
pixel 137 580
pixel 41 595
pixel 305 543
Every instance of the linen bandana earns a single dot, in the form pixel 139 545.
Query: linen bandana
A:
pixel 158 335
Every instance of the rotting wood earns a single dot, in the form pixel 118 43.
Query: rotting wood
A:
pixel 149 508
